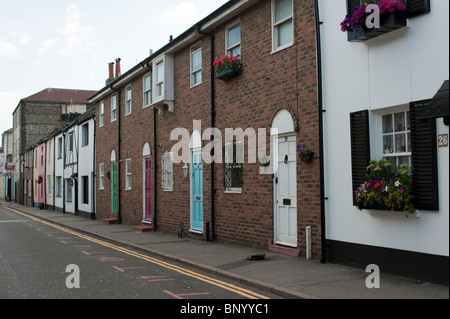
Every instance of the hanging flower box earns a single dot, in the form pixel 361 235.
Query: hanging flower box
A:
pixel 392 17
pixel 387 187
pixel 228 67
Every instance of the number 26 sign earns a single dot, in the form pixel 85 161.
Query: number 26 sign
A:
pixel 443 140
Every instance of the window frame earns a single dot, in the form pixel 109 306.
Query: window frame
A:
pixel 167 172
pixel 85 135
pixel 159 84
pixel 230 168
pixel 147 92
pixel 113 108
pixel 101 121
pixel 128 100
pixel 229 49
pixel 276 24
pixel 128 174
pixel 377 134
pixel 195 49
pixel 101 179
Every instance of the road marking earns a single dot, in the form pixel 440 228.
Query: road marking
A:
pixel 12 221
pixel 218 283
pixel 180 296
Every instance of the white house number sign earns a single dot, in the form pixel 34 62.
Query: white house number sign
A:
pixel 443 140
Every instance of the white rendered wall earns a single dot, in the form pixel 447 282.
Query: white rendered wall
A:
pixel 393 70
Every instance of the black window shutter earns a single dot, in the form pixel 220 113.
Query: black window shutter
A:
pixel 424 159
pixel 416 7
pixel 359 126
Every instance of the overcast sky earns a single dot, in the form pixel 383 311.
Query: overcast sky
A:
pixel 68 44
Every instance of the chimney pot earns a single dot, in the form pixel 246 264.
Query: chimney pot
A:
pixel 118 70
pixel 111 70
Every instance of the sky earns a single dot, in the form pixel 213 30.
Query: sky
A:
pixel 68 44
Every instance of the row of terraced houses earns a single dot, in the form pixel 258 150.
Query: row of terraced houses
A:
pixel 303 85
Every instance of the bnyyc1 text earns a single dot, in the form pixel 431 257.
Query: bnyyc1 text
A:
pixel 227 309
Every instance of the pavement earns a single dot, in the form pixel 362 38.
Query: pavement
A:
pixel 286 276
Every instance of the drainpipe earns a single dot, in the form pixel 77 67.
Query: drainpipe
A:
pixel 321 138
pixel 119 216
pixel 213 118
pixel 93 171
pixel 155 149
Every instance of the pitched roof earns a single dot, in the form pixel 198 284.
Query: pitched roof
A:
pixel 61 95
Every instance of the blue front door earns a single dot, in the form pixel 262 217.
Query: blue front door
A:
pixel 197 191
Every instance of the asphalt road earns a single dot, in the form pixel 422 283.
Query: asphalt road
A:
pixel 39 260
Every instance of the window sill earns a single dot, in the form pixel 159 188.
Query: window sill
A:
pixel 233 191
pixel 195 85
pixel 282 48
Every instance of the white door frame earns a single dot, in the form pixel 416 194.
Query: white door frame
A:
pixel 286 132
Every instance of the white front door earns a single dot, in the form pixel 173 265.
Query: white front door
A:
pixel 285 192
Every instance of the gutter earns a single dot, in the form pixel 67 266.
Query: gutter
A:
pixel 213 119
pixel 321 138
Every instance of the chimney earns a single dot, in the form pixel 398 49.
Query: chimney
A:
pixel 111 73
pixel 118 71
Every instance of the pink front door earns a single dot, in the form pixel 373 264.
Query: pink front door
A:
pixel 148 189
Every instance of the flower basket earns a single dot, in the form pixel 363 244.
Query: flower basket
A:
pixel 228 73
pixel 388 23
pixel 306 156
pixel 39 180
pixel 392 17
pixel 228 67
pixel 387 187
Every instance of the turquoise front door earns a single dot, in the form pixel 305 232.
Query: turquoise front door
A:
pixel 197 191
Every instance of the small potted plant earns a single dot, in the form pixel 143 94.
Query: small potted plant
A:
pixel 227 67
pixel 306 156
pixel 39 180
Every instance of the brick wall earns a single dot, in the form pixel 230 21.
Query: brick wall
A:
pixel 270 82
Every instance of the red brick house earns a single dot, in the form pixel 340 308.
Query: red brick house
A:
pixel 140 181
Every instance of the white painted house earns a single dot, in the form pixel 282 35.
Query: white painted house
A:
pixel 376 92
pixel 74 167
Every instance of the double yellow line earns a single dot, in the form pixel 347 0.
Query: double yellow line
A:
pixel 224 285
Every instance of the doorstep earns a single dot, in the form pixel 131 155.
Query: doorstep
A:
pixel 143 228
pixel 110 220
pixel 284 250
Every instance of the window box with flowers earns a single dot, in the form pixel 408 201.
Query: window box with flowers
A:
pixel 228 67
pixel 393 15
pixel 387 187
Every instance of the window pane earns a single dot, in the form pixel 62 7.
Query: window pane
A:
pixel 387 123
pixel 197 60
pixel 147 83
pixel 160 73
pixel 285 35
pixel 403 160
pixel 147 98
pixel 283 10
pixel 234 35
pixel 400 122
pixel 197 77
pixel 388 146
pixel 236 51
pixel 400 143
